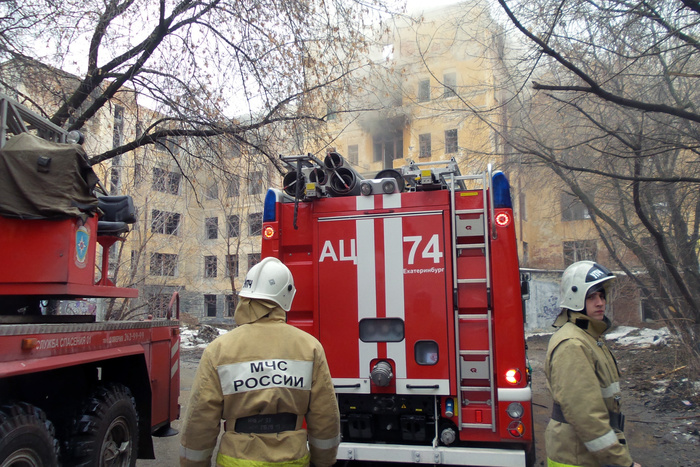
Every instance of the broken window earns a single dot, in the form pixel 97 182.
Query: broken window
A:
pixel 211 225
pixel 580 250
pixel 424 145
pixel 572 208
pixel 424 90
pixel 387 147
pixel 210 266
pixel 449 81
pixel 451 142
pixel 163 264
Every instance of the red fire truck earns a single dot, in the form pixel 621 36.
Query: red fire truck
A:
pixel 73 390
pixel 411 282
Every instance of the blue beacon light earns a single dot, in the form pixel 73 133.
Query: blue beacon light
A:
pixel 501 191
pixel 269 211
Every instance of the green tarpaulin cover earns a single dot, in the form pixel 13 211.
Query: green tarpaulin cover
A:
pixel 42 179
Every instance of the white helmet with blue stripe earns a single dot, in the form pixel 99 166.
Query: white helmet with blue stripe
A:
pixel 580 279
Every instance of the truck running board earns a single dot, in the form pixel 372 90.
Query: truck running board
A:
pixel 486 457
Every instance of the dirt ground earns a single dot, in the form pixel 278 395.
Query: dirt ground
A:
pixel 660 401
pixel 662 405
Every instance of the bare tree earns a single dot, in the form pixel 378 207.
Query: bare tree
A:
pixel 189 81
pixel 207 68
pixel 615 113
pixel 191 235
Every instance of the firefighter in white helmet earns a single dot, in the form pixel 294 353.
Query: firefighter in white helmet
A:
pixel 586 428
pixel 264 379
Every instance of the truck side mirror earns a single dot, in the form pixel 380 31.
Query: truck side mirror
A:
pixel 525 285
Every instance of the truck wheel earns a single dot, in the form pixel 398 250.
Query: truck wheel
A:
pixel 27 438
pixel 105 434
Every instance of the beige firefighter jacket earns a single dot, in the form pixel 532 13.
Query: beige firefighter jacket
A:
pixel 264 366
pixel 583 378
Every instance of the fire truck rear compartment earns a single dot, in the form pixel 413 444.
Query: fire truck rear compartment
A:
pixel 390 252
pixel 387 418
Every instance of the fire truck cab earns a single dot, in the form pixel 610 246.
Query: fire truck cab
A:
pixel 411 282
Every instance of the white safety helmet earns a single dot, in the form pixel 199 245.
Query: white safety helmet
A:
pixel 579 280
pixel 270 280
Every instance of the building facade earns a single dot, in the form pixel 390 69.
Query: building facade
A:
pixel 436 91
pixel 440 92
pixel 198 203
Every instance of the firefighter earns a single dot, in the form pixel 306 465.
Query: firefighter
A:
pixel 264 379
pixel 586 429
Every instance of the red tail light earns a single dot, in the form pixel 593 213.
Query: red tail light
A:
pixel 513 376
pixel 502 219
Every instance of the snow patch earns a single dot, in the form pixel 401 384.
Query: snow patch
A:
pixel 629 336
pixel 189 338
pixel 619 332
pixel 639 337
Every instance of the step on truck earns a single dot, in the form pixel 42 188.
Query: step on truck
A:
pixel 73 391
pixel 411 282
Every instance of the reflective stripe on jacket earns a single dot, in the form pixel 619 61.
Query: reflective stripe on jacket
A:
pixel 264 366
pixel 584 380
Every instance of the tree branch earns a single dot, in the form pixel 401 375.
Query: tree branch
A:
pixel 593 86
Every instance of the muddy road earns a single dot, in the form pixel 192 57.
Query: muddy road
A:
pixel 661 403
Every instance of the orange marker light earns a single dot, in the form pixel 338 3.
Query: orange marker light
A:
pixel 516 429
pixel 29 343
pixel 269 232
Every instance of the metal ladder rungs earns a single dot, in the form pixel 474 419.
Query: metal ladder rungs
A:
pixel 470 211
pixel 476 425
pixel 474 388
pixel 471 281
pixel 469 177
pixel 473 216
pixel 470 245
pixel 473 317
pixel 473 352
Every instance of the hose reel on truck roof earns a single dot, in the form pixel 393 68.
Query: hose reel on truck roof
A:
pixel 311 178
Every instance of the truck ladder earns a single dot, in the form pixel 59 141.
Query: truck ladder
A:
pixel 485 318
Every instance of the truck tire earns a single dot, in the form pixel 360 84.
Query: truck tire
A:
pixel 105 433
pixel 27 438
